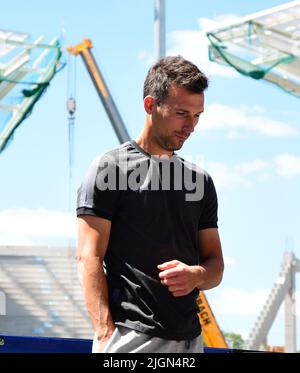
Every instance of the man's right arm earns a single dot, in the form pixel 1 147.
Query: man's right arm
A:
pixel 93 238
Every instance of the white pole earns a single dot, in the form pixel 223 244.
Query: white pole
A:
pixel 159 30
pixel 290 309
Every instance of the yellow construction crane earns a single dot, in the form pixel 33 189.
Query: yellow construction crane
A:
pixel 212 334
pixel 84 50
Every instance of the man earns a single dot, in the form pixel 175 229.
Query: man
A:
pixel 148 235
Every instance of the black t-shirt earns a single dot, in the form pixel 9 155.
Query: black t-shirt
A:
pixel 156 206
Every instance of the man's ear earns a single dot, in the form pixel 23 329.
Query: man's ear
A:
pixel 149 104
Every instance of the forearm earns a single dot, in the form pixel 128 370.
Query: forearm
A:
pixel 95 289
pixel 209 273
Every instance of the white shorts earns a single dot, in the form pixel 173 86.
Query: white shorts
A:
pixel 125 340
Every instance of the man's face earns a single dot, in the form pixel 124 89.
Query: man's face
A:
pixel 175 119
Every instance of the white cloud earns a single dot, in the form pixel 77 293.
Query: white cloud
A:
pixel 239 302
pixel 35 226
pixel 224 175
pixel 287 165
pixel 238 309
pixel 229 261
pixel 220 21
pixel 241 121
pixel 241 174
pixel 246 173
pixel 146 57
pixel 193 45
pixel 246 168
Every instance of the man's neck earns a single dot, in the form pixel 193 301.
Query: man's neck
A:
pixel 147 142
pixel 151 147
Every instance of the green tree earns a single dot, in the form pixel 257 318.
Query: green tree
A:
pixel 234 340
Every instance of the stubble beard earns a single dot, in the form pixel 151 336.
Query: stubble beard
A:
pixel 166 143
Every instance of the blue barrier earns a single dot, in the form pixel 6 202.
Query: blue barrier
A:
pixel 15 344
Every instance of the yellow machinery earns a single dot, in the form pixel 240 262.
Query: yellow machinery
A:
pixel 84 50
pixel 211 332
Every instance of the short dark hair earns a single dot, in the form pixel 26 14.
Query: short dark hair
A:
pixel 173 70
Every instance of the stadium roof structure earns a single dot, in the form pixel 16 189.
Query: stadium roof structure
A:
pixel 264 45
pixel 26 68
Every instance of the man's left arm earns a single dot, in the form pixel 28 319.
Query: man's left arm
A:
pixel 211 259
pixel 181 279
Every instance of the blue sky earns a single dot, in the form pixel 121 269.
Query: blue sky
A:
pixel 248 140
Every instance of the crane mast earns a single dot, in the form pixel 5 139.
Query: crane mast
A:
pixel 84 50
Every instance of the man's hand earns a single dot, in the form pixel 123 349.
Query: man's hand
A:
pixel 102 338
pixel 181 279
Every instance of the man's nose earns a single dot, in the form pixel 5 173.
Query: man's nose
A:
pixel 190 124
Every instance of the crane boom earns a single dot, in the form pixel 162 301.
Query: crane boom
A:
pixel 84 50
pixel 211 332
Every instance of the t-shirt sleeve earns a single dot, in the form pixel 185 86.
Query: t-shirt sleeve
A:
pixel 209 216
pixel 98 194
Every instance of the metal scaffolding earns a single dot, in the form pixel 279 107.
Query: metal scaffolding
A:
pixel 282 291
pixel 26 68
pixel 264 45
